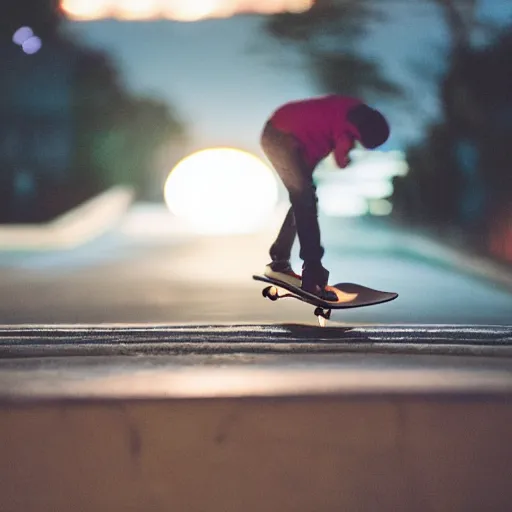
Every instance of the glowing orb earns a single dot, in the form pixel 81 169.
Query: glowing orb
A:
pixel 21 35
pixel 32 45
pixel 222 190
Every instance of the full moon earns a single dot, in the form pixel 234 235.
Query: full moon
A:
pixel 222 191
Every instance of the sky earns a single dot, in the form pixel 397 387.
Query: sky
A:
pixel 225 77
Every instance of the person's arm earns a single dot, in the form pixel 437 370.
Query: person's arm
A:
pixel 341 150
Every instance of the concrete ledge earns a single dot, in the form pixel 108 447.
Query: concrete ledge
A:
pixel 122 339
pixel 144 433
pixel 278 454
pixel 79 381
pixel 78 226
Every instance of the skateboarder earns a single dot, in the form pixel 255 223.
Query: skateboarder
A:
pixel 295 139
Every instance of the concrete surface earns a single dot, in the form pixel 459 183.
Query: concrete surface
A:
pixel 286 454
pixel 150 270
pixel 146 340
pixel 144 371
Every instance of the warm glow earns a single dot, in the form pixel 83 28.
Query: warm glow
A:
pixel 193 11
pixel 298 6
pixel 180 10
pixel 137 9
pixel 222 190
pixel 82 10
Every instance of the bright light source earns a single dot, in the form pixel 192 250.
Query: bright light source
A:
pixel 298 6
pixel 375 189
pixel 335 204
pixel 21 35
pixel 181 10
pixel 193 11
pixel 381 207
pixel 222 190
pixel 138 9
pixel 86 9
pixel 382 164
pixel 363 186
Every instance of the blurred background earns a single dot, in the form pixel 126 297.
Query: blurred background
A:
pixel 133 187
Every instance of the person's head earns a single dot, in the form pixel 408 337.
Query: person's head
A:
pixel 372 127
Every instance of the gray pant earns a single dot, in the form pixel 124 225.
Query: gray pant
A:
pixel 284 152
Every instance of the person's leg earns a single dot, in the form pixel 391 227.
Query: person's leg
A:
pixel 281 249
pixel 276 146
pixel 283 152
pixel 304 203
pixel 279 148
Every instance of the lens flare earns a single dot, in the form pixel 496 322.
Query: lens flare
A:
pixel 221 191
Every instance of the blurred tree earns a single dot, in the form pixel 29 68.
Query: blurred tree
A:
pixel 118 135
pixel 327 36
pixel 460 18
pixel 70 129
pixel 459 181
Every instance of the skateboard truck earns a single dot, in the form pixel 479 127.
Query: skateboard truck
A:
pixel 322 315
pixel 272 293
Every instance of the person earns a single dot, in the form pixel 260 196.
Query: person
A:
pixel 296 137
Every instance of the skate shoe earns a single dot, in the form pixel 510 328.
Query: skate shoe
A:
pixel 314 281
pixel 282 271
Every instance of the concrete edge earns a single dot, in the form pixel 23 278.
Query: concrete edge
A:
pixel 150 349
pixel 75 227
pixel 208 384
pixel 137 340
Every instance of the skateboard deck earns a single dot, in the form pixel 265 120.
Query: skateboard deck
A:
pixel 350 295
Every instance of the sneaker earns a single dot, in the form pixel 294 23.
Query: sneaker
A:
pixel 314 281
pixel 282 271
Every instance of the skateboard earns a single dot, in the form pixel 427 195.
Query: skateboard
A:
pixel 350 295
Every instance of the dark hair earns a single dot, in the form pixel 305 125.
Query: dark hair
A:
pixel 371 125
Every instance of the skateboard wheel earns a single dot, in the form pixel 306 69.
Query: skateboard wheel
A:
pixel 270 292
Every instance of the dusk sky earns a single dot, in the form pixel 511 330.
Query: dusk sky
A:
pixel 224 77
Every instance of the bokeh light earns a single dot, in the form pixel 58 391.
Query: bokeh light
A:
pixel 364 187
pixel 221 191
pixel 32 45
pixel 340 202
pixel 21 35
pixel 380 207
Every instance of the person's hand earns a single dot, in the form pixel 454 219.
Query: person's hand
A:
pixel 345 162
pixel 342 151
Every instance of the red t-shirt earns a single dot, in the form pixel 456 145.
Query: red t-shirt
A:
pixel 320 125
